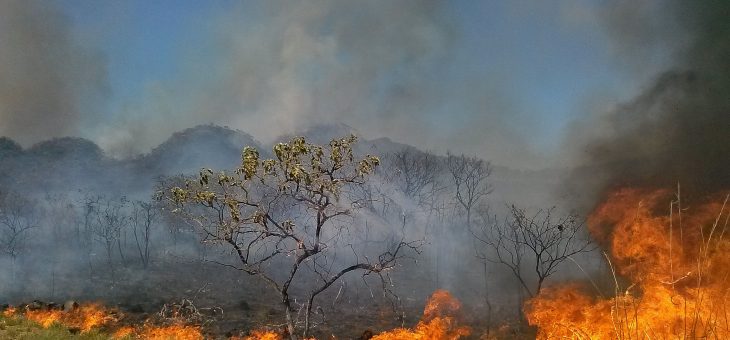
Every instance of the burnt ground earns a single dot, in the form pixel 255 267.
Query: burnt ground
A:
pixel 226 302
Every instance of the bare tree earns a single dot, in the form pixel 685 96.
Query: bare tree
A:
pixel 292 212
pixel 60 215
pixel 143 217
pixel 90 206
pixel 88 219
pixel 18 216
pixel 469 175
pixel 416 174
pixel 111 219
pixel 539 241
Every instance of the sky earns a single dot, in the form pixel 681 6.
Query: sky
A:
pixel 503 80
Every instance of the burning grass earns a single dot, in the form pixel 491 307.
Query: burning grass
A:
pixel 12 327
pixel 83 318
pixel 440 321
pixel 87 321
pixel 181 332
pixel 677 265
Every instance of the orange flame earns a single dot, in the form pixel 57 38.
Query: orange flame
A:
pixel 123 332
pixel 8 312
pixel 172 332
pixel 90 316
pixel 84 318
pixel 260 335
pixel 678 265
pixel 438 322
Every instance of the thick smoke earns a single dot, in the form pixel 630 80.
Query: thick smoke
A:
pixel 48 79
pixel 678 129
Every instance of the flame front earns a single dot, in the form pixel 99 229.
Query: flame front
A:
pixel 84 318
pixel 92 316
pixel 678 264
pixel 439 321
pixel 176 332
pixel 260 335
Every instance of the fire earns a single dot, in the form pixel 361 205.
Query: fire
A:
pixel 8 312
pixel 92 316
pixel 44 317
pixel 84 318
pixel 172 332
pixel 260 335
pixel 677 263
pixel 123 332
pixel 438 322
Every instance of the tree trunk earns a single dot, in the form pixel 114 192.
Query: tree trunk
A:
pixel 487 303
pixel 539 286
pixel 307 316
pixel 121 254
pixel 290 325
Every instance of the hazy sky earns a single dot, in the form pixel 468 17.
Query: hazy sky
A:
pixel 499 79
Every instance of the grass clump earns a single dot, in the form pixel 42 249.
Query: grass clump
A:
pixel 14 327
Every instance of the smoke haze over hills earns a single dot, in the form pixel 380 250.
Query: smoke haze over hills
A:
pixel 425 73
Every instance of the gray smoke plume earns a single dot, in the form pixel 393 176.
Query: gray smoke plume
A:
pixel 277 66
pixel 48 80
pixel 678 129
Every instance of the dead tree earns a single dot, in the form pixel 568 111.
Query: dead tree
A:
pixel 86 226
pixel 539 241
pixel 289 212
pixel 111 219
pixel 60 215
pixel 469 175
pixel 18 216
pixel 143 217
pixel 416 174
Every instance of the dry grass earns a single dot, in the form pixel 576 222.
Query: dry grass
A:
pixel 14 327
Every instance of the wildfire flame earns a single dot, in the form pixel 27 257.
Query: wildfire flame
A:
pixel 10 311
pixel 260 335
pixel 83 318
pixel 123 332
pixel 91 316
pixel 438 322
pixel 177 332
pixel 676 260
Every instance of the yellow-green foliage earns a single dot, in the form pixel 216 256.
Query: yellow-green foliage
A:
pixel 300 169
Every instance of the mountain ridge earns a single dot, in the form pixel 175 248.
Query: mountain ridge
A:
pixel 72 163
